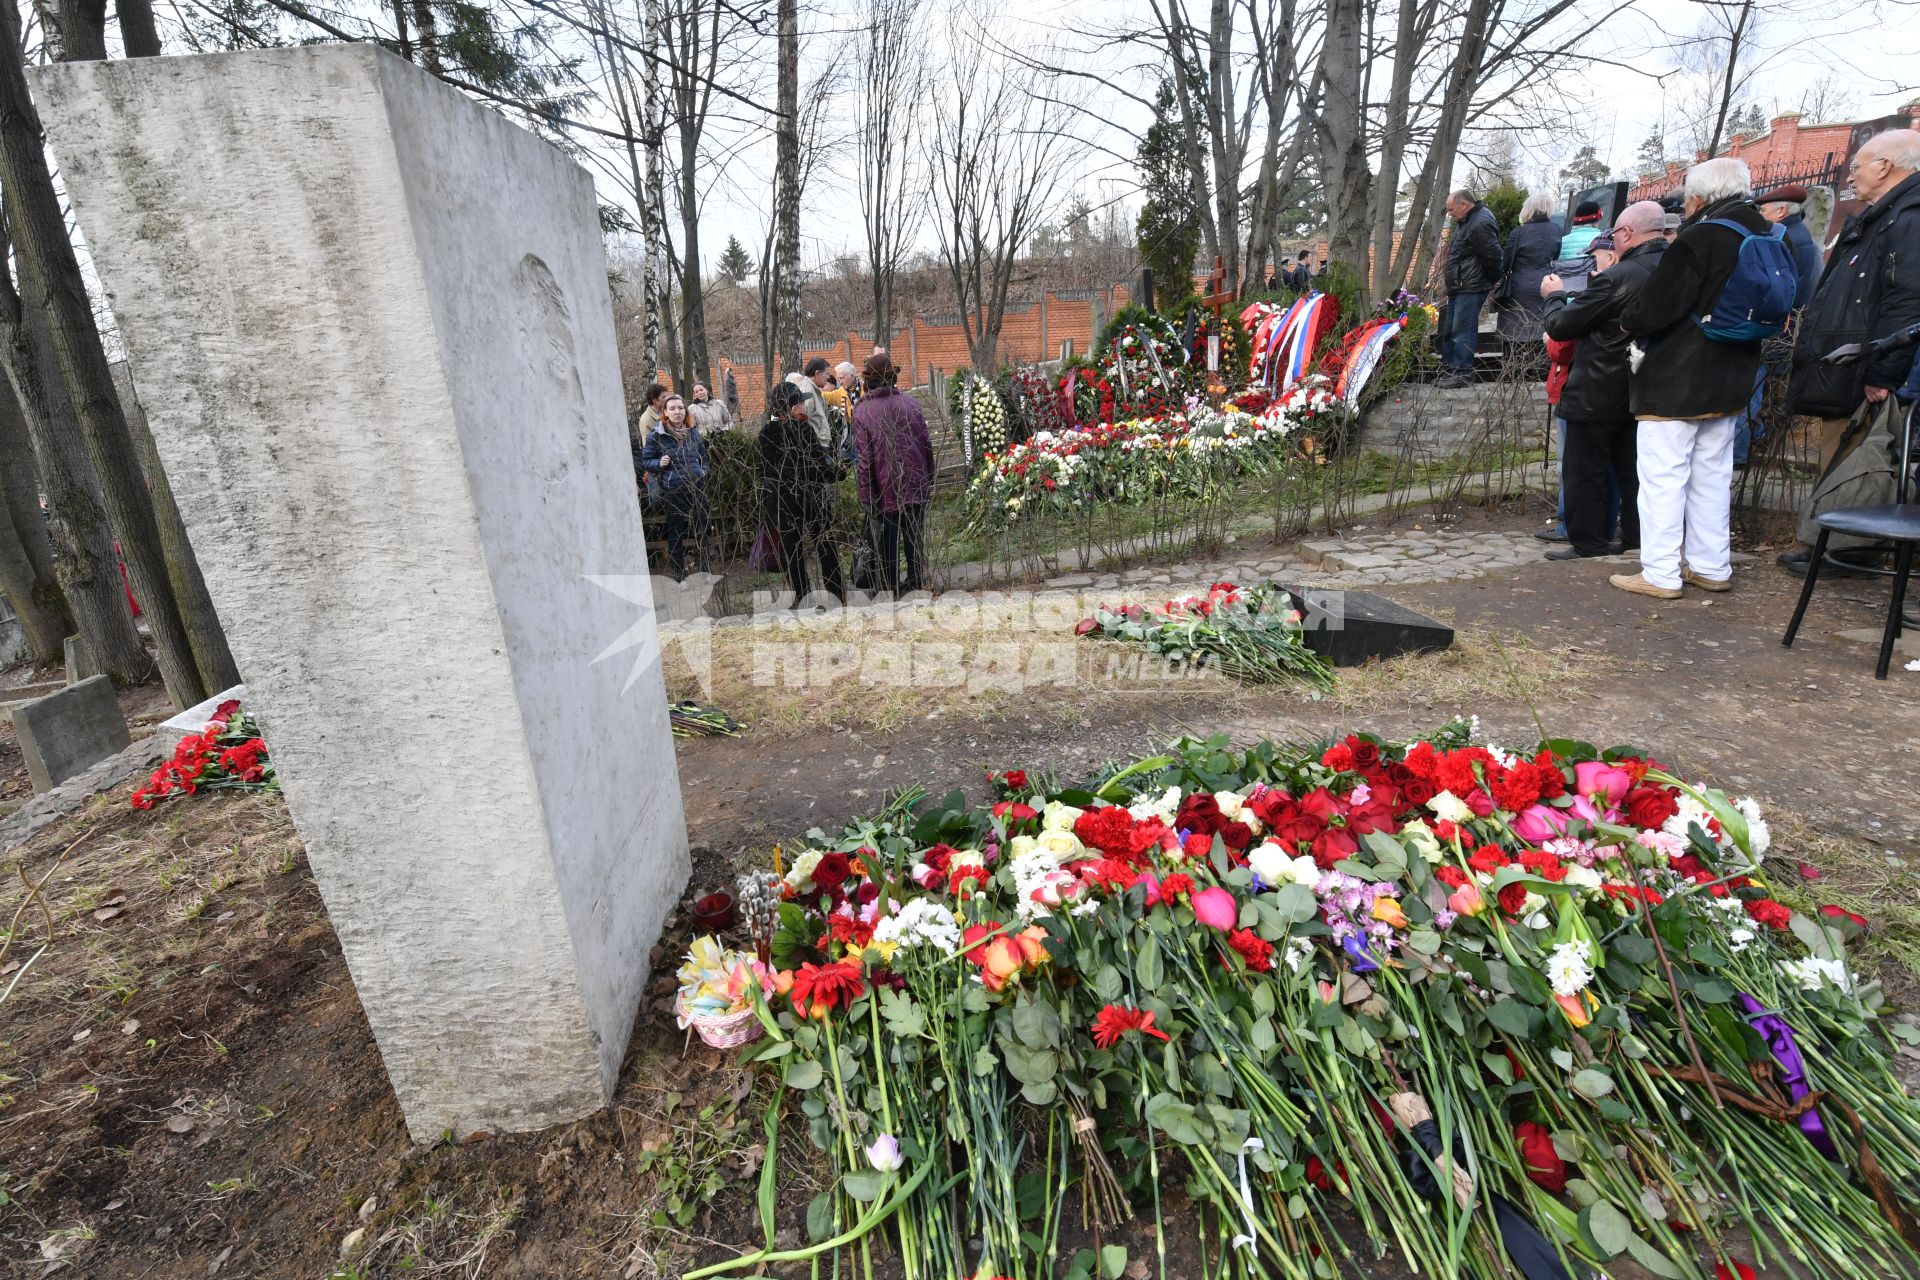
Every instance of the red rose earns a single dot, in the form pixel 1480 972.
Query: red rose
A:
pixel 831 871
pixel 1199 813
pixel 1544 1165
pixel 1317 1174
pixel 1086 626
pixel 1332 846
pixel 1650 807
pixel 1365 754
pixel 1766 911
pixel 1236 835
pixel 1016 779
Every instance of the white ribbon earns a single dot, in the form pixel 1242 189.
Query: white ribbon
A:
pixel 1246 1192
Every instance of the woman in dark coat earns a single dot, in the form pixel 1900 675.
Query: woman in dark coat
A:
pixel 1532 248
pixel 796 477
pixel 896 474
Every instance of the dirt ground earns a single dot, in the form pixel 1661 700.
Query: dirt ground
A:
pixel 188 1087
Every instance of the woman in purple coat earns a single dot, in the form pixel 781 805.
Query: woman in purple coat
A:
pixel 895 470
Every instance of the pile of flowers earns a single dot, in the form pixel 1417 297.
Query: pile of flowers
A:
pixel 1186 453
pixel 1253 636
pixel 1484 1011
pixel 228 755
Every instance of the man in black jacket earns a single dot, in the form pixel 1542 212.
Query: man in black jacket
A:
pixel 1473 268
pixel 1600 425
pixel 1870 289
pixel 1687 390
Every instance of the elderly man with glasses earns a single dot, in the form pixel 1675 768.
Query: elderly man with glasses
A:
pixel 1869 290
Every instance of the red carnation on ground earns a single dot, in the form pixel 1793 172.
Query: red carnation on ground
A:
pixel 1339 758
pixel 1117 1020
pixel 1544 1165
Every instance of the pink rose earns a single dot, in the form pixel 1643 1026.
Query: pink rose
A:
pixel 1538 823
pixel 1215 908
pixel 1605 782
pixel 1583 808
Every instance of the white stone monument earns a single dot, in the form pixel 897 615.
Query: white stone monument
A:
pixel 371 325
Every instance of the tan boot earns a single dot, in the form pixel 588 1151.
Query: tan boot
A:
pixel 1706 584
pixel 1638 584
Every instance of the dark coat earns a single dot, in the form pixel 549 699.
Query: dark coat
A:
pixel 1473 255
pixel 795 476
pixel 687 474
pixel 1532 248
pixel 1596 389
pixel 1685 374
pixel 1807 259
pixel 1871 288
pixel 895 452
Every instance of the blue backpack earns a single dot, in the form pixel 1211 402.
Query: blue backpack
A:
pixel 1758 296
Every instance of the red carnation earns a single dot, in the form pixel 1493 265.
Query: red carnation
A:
pixel 1176 885
pixel 1452 877
pixel 1774 915
pixel 1544 1165
pixel 1339 758
pixel 1512 898
pixel 1198 845
pixel 1255 950
pixel 1487 859
pixel 1110 830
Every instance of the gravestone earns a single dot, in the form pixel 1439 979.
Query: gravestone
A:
pixel 1349 627
pixel 371 327
pixel 62 733
pixel 80 662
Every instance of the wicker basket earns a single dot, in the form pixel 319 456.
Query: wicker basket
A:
pixel 730 1030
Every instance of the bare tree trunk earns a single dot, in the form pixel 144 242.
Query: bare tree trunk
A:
pixel 83 30
pixel 1340 123
pixel 26 553
pixel 402 29
pixel 886 129
pixel 1176 31
pixel 83 559
pixel 786 195
pixel 50 277
pixel 137 30
pixel 427 23
pixel 208 639
pixel 653 290
pixel 1228 140
pixel 1408 35
pixel 1420 233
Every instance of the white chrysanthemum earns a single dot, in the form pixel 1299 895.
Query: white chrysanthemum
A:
pixel 922 922
pixel 1691 811
pixel 1162 808
pixel 1812 973
pixel 1570 967
pixel 1298 952
pixel 1039 883
pixel 1739 938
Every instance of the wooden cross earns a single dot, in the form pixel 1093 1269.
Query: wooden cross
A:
pixel 1217 299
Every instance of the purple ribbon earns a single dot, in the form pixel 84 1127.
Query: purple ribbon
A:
pixel 1779 1037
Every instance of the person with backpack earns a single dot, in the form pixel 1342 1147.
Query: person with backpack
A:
pixel 1869 290
pixel 1724 284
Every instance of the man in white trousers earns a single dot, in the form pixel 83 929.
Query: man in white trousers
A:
pixel 1687 390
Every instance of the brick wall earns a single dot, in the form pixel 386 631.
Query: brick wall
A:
pixel 1027 335
pixel 1787 151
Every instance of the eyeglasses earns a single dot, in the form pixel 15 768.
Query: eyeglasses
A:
pixel 1855 166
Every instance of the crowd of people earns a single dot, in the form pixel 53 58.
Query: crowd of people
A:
pixel 824 423
pixel 1661 333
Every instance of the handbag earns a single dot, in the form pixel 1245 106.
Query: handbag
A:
pixel 764 555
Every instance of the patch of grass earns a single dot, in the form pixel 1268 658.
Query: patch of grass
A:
pixel 1482 667
pixel 1859 877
